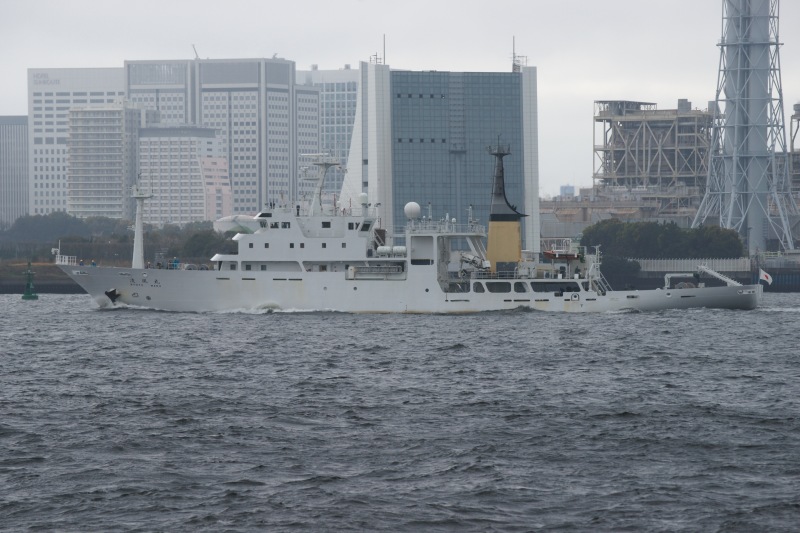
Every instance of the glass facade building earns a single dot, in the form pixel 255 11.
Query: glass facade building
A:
pixel 424 136
pixel 442 124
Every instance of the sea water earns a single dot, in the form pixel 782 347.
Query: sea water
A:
pixel 142 420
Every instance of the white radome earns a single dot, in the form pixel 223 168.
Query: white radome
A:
pixel 412 210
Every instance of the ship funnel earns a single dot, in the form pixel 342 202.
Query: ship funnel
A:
pixel 504 247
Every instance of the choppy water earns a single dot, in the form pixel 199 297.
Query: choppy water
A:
pixel 517 421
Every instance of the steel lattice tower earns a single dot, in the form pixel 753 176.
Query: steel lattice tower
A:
pixel 748 179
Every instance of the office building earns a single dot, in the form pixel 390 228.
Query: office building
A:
pixel 51 94
pixel 13 169
pixel 423 136
pixel 338 96
pixel 264 120
pixel 183 168
pixel 102 164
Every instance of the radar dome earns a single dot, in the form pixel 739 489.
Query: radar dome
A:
pixel 412 210
pixel 362 198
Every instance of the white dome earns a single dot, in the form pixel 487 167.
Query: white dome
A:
pixel 362 198
pixel 412 210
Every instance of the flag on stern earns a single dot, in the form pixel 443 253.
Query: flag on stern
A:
pixel 763 275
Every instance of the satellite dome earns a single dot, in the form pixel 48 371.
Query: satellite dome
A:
pixel 412 210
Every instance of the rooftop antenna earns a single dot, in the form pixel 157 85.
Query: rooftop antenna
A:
pixel 196 56
pixel 517 62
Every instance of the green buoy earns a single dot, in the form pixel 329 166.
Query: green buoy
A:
pixel 29 294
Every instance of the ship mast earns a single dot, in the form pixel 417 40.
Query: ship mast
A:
pixel 138 248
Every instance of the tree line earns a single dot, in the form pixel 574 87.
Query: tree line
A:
pixel 653 240
pixel 109 240
pixel 621 241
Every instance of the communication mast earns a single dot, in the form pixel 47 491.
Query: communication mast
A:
pixel 748 177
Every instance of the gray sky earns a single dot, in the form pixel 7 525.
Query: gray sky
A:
pixel 584 50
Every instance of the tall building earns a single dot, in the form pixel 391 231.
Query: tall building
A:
pixel 102 159
pixel 183 167
pixel 51 94
pixel 423 136
pixel 13 169
pixel 338 96
pixel 264 120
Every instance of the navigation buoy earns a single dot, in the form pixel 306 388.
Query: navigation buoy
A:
pixel 29 294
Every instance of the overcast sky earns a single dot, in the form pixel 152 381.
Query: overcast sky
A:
pixel 584 50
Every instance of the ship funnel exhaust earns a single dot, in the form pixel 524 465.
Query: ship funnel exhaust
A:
pixel 504 248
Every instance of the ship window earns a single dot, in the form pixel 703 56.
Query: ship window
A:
pixel 478 287
pixel 286 225
pixel 263 267
pixel 324 244
pixel 326 224
pixel 247 267
pixel 291 245
pixel 233 266
pixel 302 245
pixel 266 245
pixel 273 225
pixel 519 286
pixel 250 245
pixel 344 245
pixel 498 286
pixel 365 227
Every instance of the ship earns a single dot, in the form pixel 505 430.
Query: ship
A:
pixel 320 257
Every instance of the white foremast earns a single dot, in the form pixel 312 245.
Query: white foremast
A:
pixel 138 248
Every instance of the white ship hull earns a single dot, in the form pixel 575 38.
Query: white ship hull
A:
pixel 419 292
pixel 341 259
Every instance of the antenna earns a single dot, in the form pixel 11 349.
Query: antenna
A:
pixel 196 56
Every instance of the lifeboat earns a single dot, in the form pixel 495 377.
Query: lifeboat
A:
pixel 562 255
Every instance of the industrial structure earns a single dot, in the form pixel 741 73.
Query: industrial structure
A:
pixel 748 186
pixel 652 155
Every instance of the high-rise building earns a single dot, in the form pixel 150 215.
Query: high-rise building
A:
pixel 338 96
pixel 51 94
pixel 423 136
pixel 102 159
pixel 13 169
pixel 183 168
pixel 264 120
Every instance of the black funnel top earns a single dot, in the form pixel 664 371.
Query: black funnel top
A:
pixel 501 210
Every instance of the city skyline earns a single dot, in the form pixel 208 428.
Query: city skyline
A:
pixel 583 51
